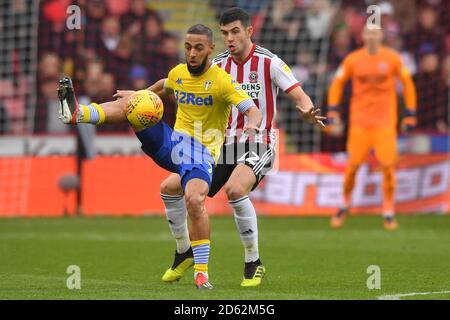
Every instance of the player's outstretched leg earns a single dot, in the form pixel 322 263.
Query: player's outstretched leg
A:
pixel 71 112
pixel 68 102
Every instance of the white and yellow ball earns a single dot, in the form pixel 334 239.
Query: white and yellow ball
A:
pixel 144 109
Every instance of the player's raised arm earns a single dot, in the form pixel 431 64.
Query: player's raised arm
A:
pixel 306 107
pixel 158 87
pixel 409 120
pixel 282 76
pixel 335 93
pixel 336 90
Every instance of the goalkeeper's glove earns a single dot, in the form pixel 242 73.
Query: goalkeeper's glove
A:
pixel 334 126
pixel 409 121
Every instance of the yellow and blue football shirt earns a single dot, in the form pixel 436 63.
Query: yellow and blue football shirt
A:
pixel 204 104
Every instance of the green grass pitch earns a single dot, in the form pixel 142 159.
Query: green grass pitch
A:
pixel 124 258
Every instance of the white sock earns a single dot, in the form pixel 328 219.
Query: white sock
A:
pixel 247 225
pixel 176 217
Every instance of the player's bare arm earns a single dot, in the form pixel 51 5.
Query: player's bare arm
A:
pixel 305 107
pixel 157 87
pixel 254 119
pixel 409 121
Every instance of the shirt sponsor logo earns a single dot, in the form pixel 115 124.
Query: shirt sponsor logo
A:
pixel 252 89
pixel 193 99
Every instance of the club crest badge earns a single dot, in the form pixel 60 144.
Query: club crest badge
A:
pixel 253 77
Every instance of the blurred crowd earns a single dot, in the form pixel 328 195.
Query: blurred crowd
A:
pixel 315 36
pixel 120 45
pixel 420 31
pixel 123 45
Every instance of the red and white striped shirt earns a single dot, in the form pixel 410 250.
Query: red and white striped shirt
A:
pixel 260 75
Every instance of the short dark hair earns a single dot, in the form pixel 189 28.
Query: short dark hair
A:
pixel 235 14
pixel 201 29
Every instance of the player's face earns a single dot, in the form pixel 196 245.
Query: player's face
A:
pixel 197 50
pixel 236 37
pixel 372 37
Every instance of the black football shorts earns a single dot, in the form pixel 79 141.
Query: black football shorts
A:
pixel 258 156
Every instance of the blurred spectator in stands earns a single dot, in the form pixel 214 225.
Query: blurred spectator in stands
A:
pixel 148 40
pixel 106 89
pixel 442 9
pixel 446 70
pixel 393 39
pixel 170 50
pixel 94 73
pixel 432 93
pixel 118 7
pixel 353 14
pixel 4 120
pixel 427 31
pixel 153 28
pixel 387 12
pixel 105 48
pixel 283 26
pixel 71 53
pixel 318 19
pixel 109 36
pixel 133 21
pixel 149 50
pixel 405 12
pixel 171 46
pixel 252 6
pixel 302 69
pixel 49 72
pixel 46 117
pixel 100 87
pixel 139 77
pixel 119 62
pixel 96 12
pixel 341 44
pixel 221 5
pixel 443 110
pixel 49 65
pixel 52 24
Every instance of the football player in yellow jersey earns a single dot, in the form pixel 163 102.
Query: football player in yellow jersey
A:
pixel 205 95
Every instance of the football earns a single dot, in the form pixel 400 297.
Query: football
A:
pixel 144 109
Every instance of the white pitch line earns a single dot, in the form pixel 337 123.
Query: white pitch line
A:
pixel 397 296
